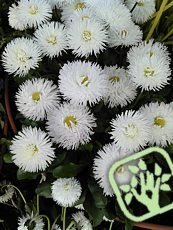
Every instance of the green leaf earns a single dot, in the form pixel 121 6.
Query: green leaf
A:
pixel 142 165
pixel 134 182
pixel 125 188
pixel 44 189
pixel 128 198
pixel 22 175
pixel 59 159
pixel 157 170
pixel 4 141
pixel 68 170
pixel 7 158
pixel 165 187
pixel 99 199
pixel 165 177
pixel 133 169
pixel 87 147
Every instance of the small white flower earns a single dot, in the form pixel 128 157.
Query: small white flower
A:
pixel 31 150
pixel 102 164
pixel 21 55
pixel 6 192
pixel 34 12
pixel 56 227
pixel 66 191
pixel 143 10
pixel 79 206
pixel 25 222
pixel 113 13
pixel 160 116
pixel 36 97
pixel 87 37
pixel 130 130
pixel 149 65
pixel 81 221
pixel 14 18
pixel 121 89
pixel 51 38
pixel 71 125
pixel 128 35
pixel 86 81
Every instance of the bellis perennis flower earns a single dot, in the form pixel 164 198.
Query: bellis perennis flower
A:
pixel 71 125
pixel 36 97
pixel 86 81
pixel 130 130
pixel 25 222
pixel 66 191
pixel 21 55
pixel 31 150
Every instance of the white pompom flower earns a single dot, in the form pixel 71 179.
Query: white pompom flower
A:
pixel 102 163
pixel 32 150
pixel 86 81
pixel 30 221
pixel 34 12
pixel 128 35
pixel 71 125
pixel 14 17
pixel 131 130
pixel 51 38
pixel 143 9
pixel 149 66
pixel 81 221
pixel 36 97
pixel 121 89
pixel 21 55
pixel 87 37
pixel 66 191
pixel 160 116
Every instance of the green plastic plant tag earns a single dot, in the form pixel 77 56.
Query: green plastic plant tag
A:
pixel 145 184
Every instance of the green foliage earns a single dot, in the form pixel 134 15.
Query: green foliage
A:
pixel 44 189
pixel 22 175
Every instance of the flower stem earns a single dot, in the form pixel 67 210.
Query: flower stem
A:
pixel 157 19
pixel 48 221
pixel 166 8
pixel 167 35
pixel 38 200
pixel 55 222
pixel 64 217
pixel 111 224
pixel 72 223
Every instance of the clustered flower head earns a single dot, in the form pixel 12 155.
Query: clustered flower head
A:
pixel 67 100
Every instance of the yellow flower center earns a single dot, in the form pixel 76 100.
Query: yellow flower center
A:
pixel 149 72
pixel 32 149
pixel 36 96
pixel 66 187
pixel 85 81
pixel 52 40
pixel 141 3
pixel 124 33
pixel 86 35
pixel 22 56
pixel 70 120
pixel 79 6
pixel 33 10
pixel 159 121
pixel 120 169
pixel 150 53
pixel 130 130
pixel 114 79
pixel 85 17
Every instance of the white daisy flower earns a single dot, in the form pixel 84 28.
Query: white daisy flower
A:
pixel 87 37
pixel 70 9
pixel 113 13
pixel 102 164
pixel 6 191
pixel 21 55
pixel 143 10
pixel 51 38
pixel 34 12
pixel 160 116
pixel 36 97
pixel 128 35
pixel 86 81
pixel 121 89
pixel 32 150
pixel 81 221
pixel 149 65
pixel 14 18
pixel 131 130
pixel 30 221
pixel 66 191
pixel 71 125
